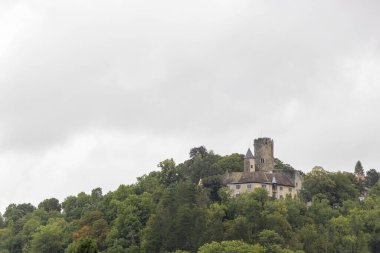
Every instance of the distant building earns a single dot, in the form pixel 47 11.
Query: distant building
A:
pixel 259 172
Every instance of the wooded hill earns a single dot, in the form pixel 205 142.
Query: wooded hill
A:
pixel 168 211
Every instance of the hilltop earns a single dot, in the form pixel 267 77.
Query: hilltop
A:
pixel 169 211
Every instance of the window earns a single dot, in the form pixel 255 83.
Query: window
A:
pixel 280 188
pixel 249 186
pixel 296 184
pixel 251 166
pixel 238 186
pixel 263 186
pixel 290 189
pixel 262 160
pixel 281 197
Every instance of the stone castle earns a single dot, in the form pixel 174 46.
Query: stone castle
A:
pixel 259 172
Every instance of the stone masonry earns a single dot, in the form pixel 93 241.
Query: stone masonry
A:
pixel 264 158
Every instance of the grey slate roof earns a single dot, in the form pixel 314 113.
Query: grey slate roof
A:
pixel 249 154
pixel 261 177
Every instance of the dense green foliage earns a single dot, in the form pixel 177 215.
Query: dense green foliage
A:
pixel 172 210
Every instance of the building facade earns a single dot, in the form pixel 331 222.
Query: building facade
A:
pixel 259 172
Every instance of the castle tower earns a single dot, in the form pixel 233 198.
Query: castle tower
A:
pixel 249 161
pixel 264 159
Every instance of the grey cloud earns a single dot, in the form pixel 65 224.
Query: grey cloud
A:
pixel 195 69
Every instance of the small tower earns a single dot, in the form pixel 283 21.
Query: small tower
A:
pixel 274 188
pixel 249 161
pixel 264 159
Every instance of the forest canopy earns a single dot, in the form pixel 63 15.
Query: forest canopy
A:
pixel 169 211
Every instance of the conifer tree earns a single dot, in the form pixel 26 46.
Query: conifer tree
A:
pixel 359 168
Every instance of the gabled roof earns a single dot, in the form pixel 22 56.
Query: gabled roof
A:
pixel 261 177
pixel 249 154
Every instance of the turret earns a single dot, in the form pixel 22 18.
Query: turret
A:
pixel 274 188
pixel 249 161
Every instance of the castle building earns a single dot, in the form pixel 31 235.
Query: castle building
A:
pixel 259 172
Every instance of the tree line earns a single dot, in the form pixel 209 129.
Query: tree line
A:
pixel 169 211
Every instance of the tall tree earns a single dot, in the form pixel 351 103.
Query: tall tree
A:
pixel 359 169
pixel 230 247
pixel 372 176
pixel 14 212
pixel 271 241
pixel 48 239
pixel 85 245
pixel 169 172
pixel 336 187
pixel 202 151
pixel 51 204
pixel 2 223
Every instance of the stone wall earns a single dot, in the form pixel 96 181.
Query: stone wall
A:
pixel 249 165
pixel 281 191
pixel 264 159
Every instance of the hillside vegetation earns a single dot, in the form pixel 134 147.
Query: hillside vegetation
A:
pixel 168 211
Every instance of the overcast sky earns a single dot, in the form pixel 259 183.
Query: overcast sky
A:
pixel 96 93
